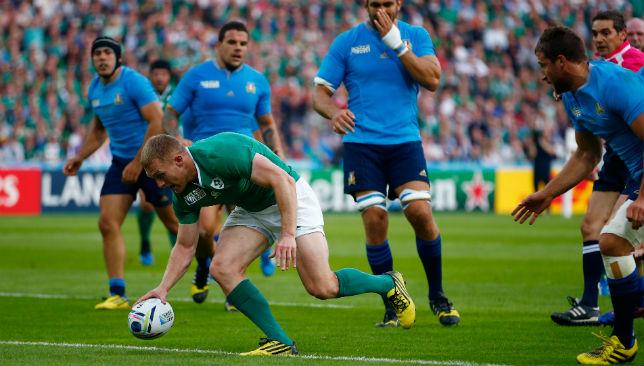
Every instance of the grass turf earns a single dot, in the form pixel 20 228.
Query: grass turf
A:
pixel 505 280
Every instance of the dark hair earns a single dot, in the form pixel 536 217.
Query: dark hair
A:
pixel 618 19
pixel 104 41
pixel 233 25
pixel 161 64
pixel 559 40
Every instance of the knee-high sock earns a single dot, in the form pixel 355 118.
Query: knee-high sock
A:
pixel 593 268
pixel 354 282
pixel 380 261
pixel 429 252
pixel 247 299
pixel 625 293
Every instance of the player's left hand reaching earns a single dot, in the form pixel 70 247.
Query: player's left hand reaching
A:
pixel 285 252
pixel 531 206
pixel 158 292
pixel 131 172
pixel 635 213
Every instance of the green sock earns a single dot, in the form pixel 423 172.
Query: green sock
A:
pixel 145 220
pixel 247 299
pixel 354 282
pixel 173 238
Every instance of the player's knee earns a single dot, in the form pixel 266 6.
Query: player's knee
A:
pixel 590 228
pixel 223 270
pixel 106 225
pixel 323 290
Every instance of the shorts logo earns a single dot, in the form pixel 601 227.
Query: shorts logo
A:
pixel 423 173
pixel 217 183
pixel 351 180
pixel 362 49
pixel 194 196
pixel 250 87
pixel 118 100
pixel 209 84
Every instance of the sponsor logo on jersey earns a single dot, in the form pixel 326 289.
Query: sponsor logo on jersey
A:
pixel 217 183
pixel 250 87
pixel 194 196
pixel 209 84
pixel 599 109
pixel 118 100
pixel 362 49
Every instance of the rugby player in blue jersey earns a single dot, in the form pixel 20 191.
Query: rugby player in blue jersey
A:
pixel 604 101
pixel 127 110
pixel 383 63
pixel 223 95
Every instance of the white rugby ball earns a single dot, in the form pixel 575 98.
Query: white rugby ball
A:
pixel 150 319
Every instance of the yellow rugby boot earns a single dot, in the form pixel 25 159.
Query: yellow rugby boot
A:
pixel 612 351
pixel 269 347
pixel 115 302
pixel 401 301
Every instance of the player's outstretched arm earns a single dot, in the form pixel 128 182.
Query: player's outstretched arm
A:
pixel 269 175
pixel 342 121
pixel 178 263
pixel 270 134
pixel 94 140
pixel 577 168
pixel 170 121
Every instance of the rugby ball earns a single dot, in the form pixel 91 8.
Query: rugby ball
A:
pixel 150 319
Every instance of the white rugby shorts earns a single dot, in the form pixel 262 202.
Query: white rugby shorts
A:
pixel 620 226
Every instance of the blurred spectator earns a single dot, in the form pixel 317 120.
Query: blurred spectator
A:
pixel 485 49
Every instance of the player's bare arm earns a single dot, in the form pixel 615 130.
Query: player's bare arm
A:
pixel 425 70
pixel 635 212
pixel 342 121
pixel 577 168
pixel 152 113
pixel 94 140
pixel 178 263
pixel 270 135
pixel 171 121
pixel 266 174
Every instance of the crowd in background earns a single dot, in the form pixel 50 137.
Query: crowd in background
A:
pixel 490 100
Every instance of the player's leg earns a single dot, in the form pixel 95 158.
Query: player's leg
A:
pixel 365 181
pixel 238 246
pixel 144 220
pixel 585 311
pixel 407 172
pixel 616 244
pixel 204 253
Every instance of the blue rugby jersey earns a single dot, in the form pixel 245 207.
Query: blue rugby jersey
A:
pixel 222 101
pixel 606 105
pixel 382 94
pixel 117 104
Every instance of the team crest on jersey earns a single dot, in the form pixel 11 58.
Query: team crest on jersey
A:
pixel 362 49
pixel 209 84
pixel 217 183
pixel 194 196
pixel 250 87
pixel 576 111
pixel 118 100
pixel 351 180
pixel 599 109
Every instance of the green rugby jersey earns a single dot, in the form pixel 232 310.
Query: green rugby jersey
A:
pixel 224 165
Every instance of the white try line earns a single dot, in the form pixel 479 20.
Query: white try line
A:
pixel 178 299
pixel 225 353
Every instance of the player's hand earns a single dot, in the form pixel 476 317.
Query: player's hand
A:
pixel 159 293
pixel 531 206
pixel 635 213
pixel 638 253
pixel 285 252
pixel 185 142
pixel 383 23
pixel 343 122
pixel 131 172
pixel 72 165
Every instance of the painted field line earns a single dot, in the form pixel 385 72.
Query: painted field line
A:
pixel 178 299
pixel 225 353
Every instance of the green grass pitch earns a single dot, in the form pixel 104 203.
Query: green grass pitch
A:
pixel 505 279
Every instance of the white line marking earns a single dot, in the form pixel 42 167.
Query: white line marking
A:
pixel 178 299
pixel 225 353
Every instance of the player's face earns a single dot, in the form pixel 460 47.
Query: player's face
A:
pixel 605 38
pixel 160 79
pixel 391 7
pixel 553 73
pixel 232 49
pixel 635 34
pixel 168 173
pixel 104 60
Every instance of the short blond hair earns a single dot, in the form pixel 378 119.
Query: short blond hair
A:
pixel 159 147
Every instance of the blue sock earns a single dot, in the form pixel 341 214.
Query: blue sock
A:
pixel 380 261
pixel 216 237
pixel 625 294
pixel 117 287
pixel 202 272
pixel 593 268
pixel 429 252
